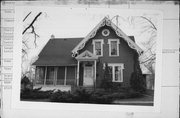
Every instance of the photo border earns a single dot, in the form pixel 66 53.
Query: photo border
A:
pixel 16 103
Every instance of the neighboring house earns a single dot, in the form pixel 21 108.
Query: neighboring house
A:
pixel 71 62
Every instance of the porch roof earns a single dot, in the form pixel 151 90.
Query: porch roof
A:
pixel 86 56
pixel 57 52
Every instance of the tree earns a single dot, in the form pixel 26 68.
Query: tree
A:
pixel 31 27
pixel 29 39
pixel 107 80
pixel 147 27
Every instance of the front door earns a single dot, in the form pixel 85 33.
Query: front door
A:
pixel 88 76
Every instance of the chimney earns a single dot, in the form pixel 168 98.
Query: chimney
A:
pixel 52 36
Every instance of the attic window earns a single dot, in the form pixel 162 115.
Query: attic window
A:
pixel 105 32
pixel 98 47
pixel 113 47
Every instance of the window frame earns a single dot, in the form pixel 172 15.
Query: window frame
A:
pixel 54 78
pixel 113 65
pixel 102 42
pixel 109 42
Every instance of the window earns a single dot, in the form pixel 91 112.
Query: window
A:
pixel 51 75
pixel 116 72
pixel 40 75
pixel 50 78
pixel 98 47
pixel 113 47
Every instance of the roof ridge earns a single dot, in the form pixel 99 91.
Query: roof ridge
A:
pixel 69 38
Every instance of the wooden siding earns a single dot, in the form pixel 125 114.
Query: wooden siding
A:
pixel 126 55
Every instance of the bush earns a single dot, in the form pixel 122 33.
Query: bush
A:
pixel 82 95
pixel 100 97
pixel 137 82
pixel 78 96
pixel 36 94
pixel 26 84
pixel 107 80
pixel 60 96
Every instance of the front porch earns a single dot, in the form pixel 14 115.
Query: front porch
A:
pixel 86 69
pixel 67 77
pixel 55 77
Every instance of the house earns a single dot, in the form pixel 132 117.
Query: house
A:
pixel 70 62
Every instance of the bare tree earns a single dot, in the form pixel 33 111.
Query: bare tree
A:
pixel 30 27
pixel 30 36
pixel 149 55
pixel 147 27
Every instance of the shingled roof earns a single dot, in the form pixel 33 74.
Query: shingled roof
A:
pixel 57 52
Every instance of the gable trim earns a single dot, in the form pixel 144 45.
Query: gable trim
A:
pixel 119 32
pixel 86 55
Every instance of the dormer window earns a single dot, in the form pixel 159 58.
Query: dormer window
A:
pixel 113 47
pixel 98 47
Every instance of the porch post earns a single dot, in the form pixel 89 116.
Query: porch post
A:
pixel 55 75
pixel 45 75
pixel 35 76
pixel 65 76
pixel 95 74
pixel 78 74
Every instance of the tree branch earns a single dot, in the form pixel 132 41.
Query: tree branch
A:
pixel 26 16
pixel 31 25
pixel 153 26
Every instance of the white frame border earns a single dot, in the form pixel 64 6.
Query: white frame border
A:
pixel 17 104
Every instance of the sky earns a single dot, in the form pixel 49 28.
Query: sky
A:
pixel 76 22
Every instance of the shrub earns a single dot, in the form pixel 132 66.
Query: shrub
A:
pixel 78 96
pixel 60 96
pixel 137 82
pixel 107 80
pixel 100 99
pixel 82 95
pixel 36 94
pixel 26 84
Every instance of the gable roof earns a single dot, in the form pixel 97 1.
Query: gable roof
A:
pixel 119 32
pixel 57 52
